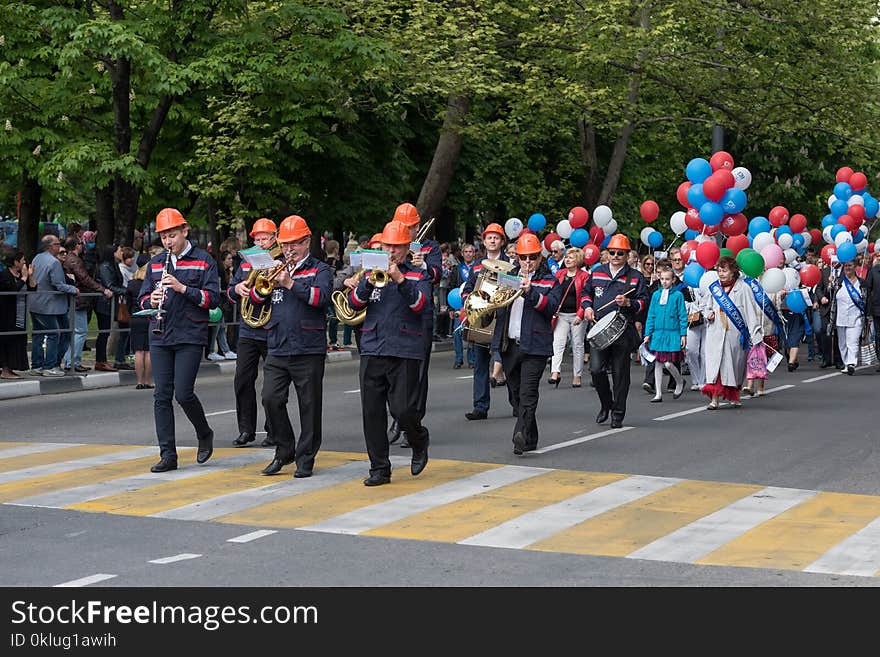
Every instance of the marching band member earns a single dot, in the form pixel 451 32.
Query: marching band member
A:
pixel 429 260
pixel 251 344
pixel 493 240
pixel 524 338
pixel 614 286
pixel 392 351
pixel 183 283
pixel 297 348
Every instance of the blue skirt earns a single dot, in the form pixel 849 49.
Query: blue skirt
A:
pixel 794 329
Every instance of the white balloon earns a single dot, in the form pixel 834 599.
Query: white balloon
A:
pixel 544 251
pixel 647 230
pixel 785 241
pixel 826 234
pixel 773 280
pixel 856 199
pixel 513 227
pixel 742 178
pixel 831 200
pixel 699 239
pixel 792 278
pixel 808 239
pixel 876 246
pixel 564 229
pixel 761 240
pixel 707 279
pixel 610 228
pixel 677 222
pixel 790 256
pixel 601 216
pixel 842 236
pixel 862 246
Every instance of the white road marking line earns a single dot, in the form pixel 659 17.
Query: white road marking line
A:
pixel 351 392
pixel 67 466
pixel 247 538
pixel 820 378
pixel 582 439
pixel 231 410
pixel 536 525
pixel 185 556
pixel 465 377
pixel 697 409
pixel 859 554
pixel 85 581
pixel 35 448
pixel 778 388
pixel 697 539
pixel 376 515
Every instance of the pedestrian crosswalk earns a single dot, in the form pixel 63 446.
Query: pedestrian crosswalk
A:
pixel 477 504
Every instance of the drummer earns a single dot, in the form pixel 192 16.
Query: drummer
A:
pixel 614 287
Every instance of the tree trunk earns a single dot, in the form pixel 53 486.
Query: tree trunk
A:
pixel 104 223
pixel 432 197
pixel 590 161
pixel 29 216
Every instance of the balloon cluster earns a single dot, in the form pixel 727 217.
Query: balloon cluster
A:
pixel 844 228
pixel 713 197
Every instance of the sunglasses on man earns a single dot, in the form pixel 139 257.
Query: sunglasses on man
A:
pixel 530 256
pixel 617 253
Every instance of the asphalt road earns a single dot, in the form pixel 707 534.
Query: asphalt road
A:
pixel 809 447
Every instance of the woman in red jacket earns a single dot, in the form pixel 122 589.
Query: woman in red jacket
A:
pixel 569 318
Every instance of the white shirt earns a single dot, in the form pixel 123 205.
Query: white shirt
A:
pixel 847 312
pixel 515 325
pixel 187 249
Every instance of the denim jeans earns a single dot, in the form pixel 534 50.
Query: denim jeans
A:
pixel 41 360
pixel 459 345
pixel 80 331
pixel 812 340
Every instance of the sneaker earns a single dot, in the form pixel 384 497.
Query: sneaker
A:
pixel 52 372
pixel 215 356
pixel 647 387
pixel 34 372
pixel 230 355
pixel 695 388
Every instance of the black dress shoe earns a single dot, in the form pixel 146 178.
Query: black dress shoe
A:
pixel 419 457
pixel 268 442
pixel 274 467
pixel 602 416
pixel 302 474
pixel 476 415
pixel 377 480
pixel 243 439
pixel 393 432
pixel 519 443
pixel 850 370
pixel 824 366
pixel 164 465
pixel 206 448
pixel 616 423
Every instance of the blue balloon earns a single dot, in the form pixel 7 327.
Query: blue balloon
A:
pixel 783 229
pixel 846 252
pixel 605 241
pixel 537 222
pixel 733 201
pixel 453 299
pixel 695 195
pixel 693 273
pixel 843 191
pixel 690 234
pixel 872 206
pixel 797 241
pixel 858 236
pixel 711 213
pixel 795 301
pixel 655 239
pixel 579 237
pixel 839 208
pixel 836 229
pixel 830 220
pixel 697 170
pixel 759 225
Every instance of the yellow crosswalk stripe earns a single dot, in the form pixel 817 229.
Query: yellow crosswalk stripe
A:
pixel 63 454
pixel 794 539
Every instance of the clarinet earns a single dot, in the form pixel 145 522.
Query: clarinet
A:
pixel 159 328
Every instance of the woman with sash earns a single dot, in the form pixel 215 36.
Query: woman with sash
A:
pixel 733 325
pixel 850 316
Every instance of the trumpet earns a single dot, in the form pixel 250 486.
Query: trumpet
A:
pixel 159 328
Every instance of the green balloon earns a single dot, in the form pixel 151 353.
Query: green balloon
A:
pixel 750 262
pixel 215 315
pixel 725 252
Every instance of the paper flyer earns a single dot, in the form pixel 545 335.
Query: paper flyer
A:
pixel 374 260
pixel 258 259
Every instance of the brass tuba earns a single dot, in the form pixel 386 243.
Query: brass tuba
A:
pixel 344 312
pixel 263 280
pixel 487 297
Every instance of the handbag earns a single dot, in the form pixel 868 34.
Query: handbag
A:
pixel 556 314
pixel 695 319
pixel 122 312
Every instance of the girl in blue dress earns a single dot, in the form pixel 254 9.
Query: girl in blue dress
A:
pixel 666 334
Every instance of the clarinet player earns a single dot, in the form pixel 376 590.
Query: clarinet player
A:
pixel 183 282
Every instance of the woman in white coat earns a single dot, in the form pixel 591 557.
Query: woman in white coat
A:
pixel 849 311
pixel 726 346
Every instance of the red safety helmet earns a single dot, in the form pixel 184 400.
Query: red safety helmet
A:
pixel 618 241
pixel 168 218
pixel 293 228
pixel 528 244
pixel 494 228
pixel 396 232
pixel 407 214
pixel 264 225
pixel 375 238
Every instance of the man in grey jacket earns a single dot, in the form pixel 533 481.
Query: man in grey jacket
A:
pixel 49 309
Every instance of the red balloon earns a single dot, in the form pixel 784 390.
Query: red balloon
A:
pixel 734 224
pixel 725 177
pixel 827 251
pixel 858 181
pixel 578 217
pixel 710 230
pixel 713 187
pixel 810 275
pixel 708 254
pixel 597 235
pixel 848 221
pixel 857 212
pixel 649 211
pixel 549 238
pixel 692 219
pixel 721 160
pixel 682 193
pixel 591 254
pixel 843 174
pixel 778 216
pixel 816 236
pixel 797 223
pixel 737 243
pixel 687 248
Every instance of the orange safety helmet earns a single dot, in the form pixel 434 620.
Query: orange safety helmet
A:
pixel 618 241
pixel 168 218
pixel 494 228
pixel 396 232
pixel 293 228
pixel 527 244
pixel 264 225
pixel 375 238
pixel 407 214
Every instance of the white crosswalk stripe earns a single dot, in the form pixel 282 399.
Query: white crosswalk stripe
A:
pixel 857 555
pixel 67 466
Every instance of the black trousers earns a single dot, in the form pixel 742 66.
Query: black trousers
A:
pixel 524 373
pixel 428 338
pixel 306 372
pixel 877 334
pixel 247 368
pixel 174 373
pixel 614 359
pixel 388 381
pixel 828 344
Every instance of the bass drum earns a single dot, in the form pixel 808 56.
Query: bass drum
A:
pixel 607 331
